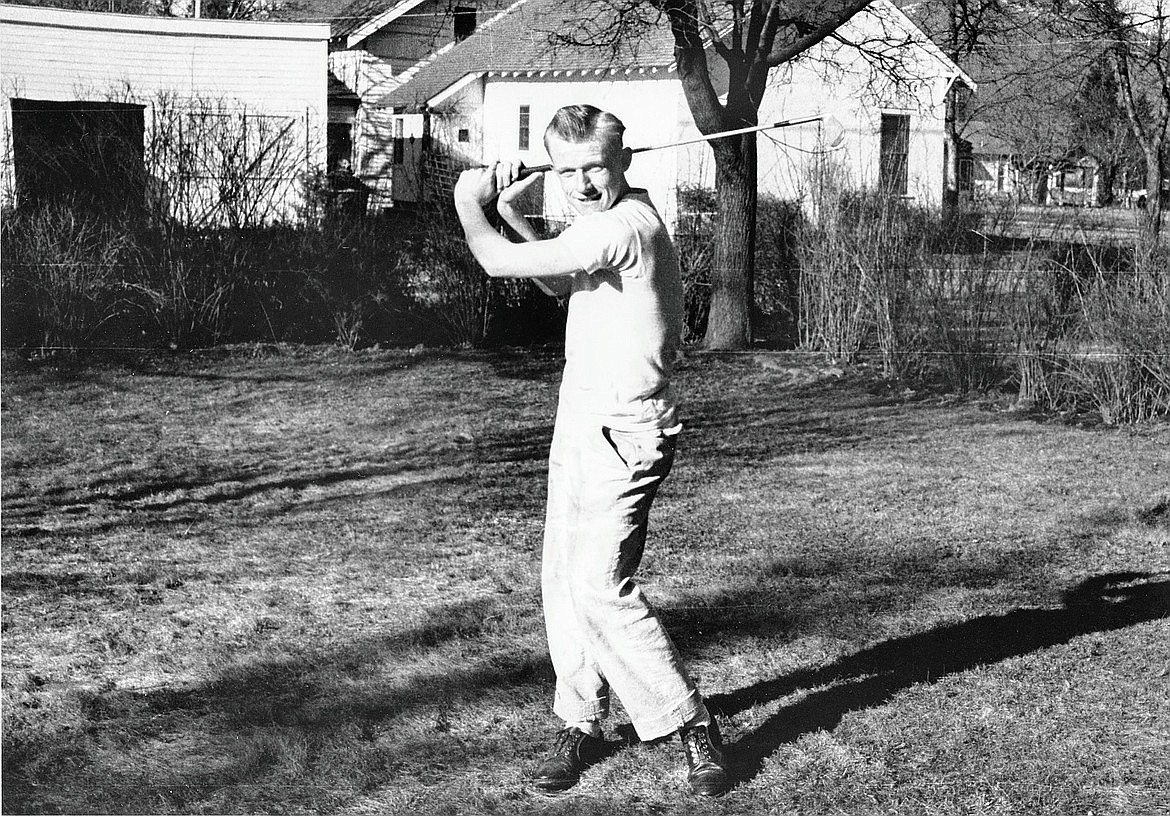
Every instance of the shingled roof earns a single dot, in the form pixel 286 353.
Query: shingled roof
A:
pixel 522 40
pixel 355 14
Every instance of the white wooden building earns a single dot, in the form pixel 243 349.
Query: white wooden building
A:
pixel 229 115
pixel 491 95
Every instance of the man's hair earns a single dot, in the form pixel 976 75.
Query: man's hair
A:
pixel 584 123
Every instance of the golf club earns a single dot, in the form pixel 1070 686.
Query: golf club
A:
pixel 833 130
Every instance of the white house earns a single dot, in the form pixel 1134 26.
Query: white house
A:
pixel 374 47
pixel 491 95
pixel 221 120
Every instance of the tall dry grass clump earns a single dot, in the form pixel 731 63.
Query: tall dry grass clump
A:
pixel 65 276
pixel 1109 346
pixel 880 275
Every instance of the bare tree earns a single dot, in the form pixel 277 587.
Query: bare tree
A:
pixel 148 7
pixel 1137 39
pixel 252 9
pixel 1101 128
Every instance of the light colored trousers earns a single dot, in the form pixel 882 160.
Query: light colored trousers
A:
pixel 602 632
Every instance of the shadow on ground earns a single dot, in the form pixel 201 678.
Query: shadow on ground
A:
pixel 873 676
pixel 302 695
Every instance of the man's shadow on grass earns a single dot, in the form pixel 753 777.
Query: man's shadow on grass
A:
pixel 874 675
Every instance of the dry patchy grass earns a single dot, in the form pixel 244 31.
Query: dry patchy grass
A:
pixel 305 581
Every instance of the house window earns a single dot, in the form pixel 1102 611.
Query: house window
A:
pixel 464 23
pixel 339 138
pixel 525 124
pixel 464 135
pixel 895 152
pixel 398 143
pixel 1000 173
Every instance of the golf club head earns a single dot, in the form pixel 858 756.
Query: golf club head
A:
pixel 833 133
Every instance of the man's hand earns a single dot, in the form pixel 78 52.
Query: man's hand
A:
pixel 512 189
pixel 476 185
pixel 481 184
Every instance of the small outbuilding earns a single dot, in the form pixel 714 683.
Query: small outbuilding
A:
pixel 215 122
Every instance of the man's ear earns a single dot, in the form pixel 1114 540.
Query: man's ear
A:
pixel 627 158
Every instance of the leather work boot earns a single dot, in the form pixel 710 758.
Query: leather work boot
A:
pixel 706 768
pixel 572 753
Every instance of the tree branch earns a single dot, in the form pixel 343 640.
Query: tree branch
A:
pixel 782 54
pixel 691 57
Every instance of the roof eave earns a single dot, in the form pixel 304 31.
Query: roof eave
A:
pixel 381 21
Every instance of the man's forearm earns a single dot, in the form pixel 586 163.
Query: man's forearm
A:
pixel 516 220
pixel 484 242
pixel 559 286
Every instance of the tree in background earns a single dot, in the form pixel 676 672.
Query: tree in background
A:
pixel 1028 72
pixel 749 38
pixel 148 7
pixel 250 9
pixel 1101 128
pixel 1136 38
pixel 218 9
pixel 1042 86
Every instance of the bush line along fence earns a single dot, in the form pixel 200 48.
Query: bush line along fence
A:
pixel 1068 325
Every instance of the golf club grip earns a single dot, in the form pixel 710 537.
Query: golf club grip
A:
pixel 525 172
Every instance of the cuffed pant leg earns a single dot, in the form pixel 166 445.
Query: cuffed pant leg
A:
pixel 620 473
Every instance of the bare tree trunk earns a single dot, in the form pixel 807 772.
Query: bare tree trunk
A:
pixel 951 145
pixel 1106 178
pixel 1154 177
pixel 729 324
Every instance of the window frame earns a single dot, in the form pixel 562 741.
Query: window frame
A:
pixel 894 153
pixel 524 128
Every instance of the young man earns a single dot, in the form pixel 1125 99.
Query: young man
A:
pixel 613 442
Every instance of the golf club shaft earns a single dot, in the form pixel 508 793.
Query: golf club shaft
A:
pixel 540 168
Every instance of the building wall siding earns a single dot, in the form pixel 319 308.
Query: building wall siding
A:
pixel 275 69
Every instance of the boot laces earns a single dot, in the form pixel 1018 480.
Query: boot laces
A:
pixel 566 743
pixel 698 745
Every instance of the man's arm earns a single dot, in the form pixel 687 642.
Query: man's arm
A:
pixel 500 257
pixel 559 286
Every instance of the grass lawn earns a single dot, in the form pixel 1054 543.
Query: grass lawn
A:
pixel 305 581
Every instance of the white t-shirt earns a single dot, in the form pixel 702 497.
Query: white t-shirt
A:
pixel 625 317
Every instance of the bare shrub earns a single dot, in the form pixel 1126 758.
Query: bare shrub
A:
pixel 187 282
pixel 879 273
pixel 862 263
pixel 1116 357
pixel 694 241
pixel 1092 329
pixel 64 276
pixel 353 273
pixel 443 276
pixel 1033 317
pixel 967 324
pixel 214 163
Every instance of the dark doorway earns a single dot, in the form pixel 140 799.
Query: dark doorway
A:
pixel 86 154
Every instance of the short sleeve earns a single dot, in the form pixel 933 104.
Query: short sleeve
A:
pixel 600 241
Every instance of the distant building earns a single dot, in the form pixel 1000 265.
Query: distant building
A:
pixel 220 121
pixel 994 169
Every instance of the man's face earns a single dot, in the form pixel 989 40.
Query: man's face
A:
pixel 592 174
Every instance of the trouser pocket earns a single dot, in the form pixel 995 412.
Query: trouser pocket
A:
pixel 640 451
